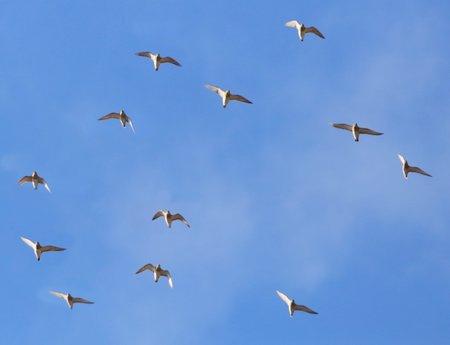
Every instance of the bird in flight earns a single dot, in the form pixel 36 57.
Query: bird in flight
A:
pixel 157 59
pixel 293 306
pixel 356 130
pixel 124 118
pixel 157 272
pixel 169 218
pixel 38 249
pixel 406 168
pixel 303 30
pixel 226 95
pixel 69 299
pixel 35 179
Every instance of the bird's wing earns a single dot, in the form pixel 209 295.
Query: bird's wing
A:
pixel 145 54
pixel 110 116
pixel 240 98
pixel 419 171
pixel 28 242
pixel 342 126
pixel 169 277
pixel 284 297
pixel 59 294
pixel 170 60
pixel 402 159
pixel 178 216
pixel 314 30
pixel 146 267
pixel 51 249
pixel 368 131
pixel 158 214
pixel 292 23
pixel 81 300
pixel 44 183
pixel 214 88
pixel 305 309
pixel 24 180
pixel 131 124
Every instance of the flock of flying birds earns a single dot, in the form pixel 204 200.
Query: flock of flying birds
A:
pixel 225 96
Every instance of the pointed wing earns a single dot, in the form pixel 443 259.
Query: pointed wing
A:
pixel 145 54
pixel 214 88
pixel 305 309
pixel 292 23
pixel 284 297
pixel 131 125
pixel 369 131
pixel 44 183
pixel 24 179
pixel 110 116
pixel 179 217
pixel 149 267
pixel 314 30
pixel 419 171
pixel 342 126
pixel 81 300
pixel 51 249
pixel 158 214
pixel 28 242
pixel 167 274
pixel 59 294
pixel 169 60
pixel 402 159
pixel 239 98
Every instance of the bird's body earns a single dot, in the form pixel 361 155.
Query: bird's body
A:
pixel 406 168
pixel 70 300
pixel 157 272
pixel 226 95
pixel 302 30
pixel 158 60
pixel 169 218
pixel 356 130
pixel 122 117
pixel 35 180
pixel 39 249
pixel 293 306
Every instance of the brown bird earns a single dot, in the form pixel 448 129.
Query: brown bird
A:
pixel 303 30
pixel 69 299
pixel 226 95
pixel 38 249
pixel 35 179
pixel 356 130
pixel 406 168
pixel 157 59
pixel 157 272
pixel 293 306
pixel 124 118
pixel 169 218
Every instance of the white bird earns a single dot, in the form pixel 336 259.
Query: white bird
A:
pixel 356 130
pixel 38 249
pixel 406 168
pixel 169 218
pixel 157 272
pixel 124 118
pixel 293 306
pixel 157 59
pixel 226 95
pixel 35 179
pixel 69 299
pixel 303 30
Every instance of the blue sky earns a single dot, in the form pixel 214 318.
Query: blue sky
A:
pixel 277 198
